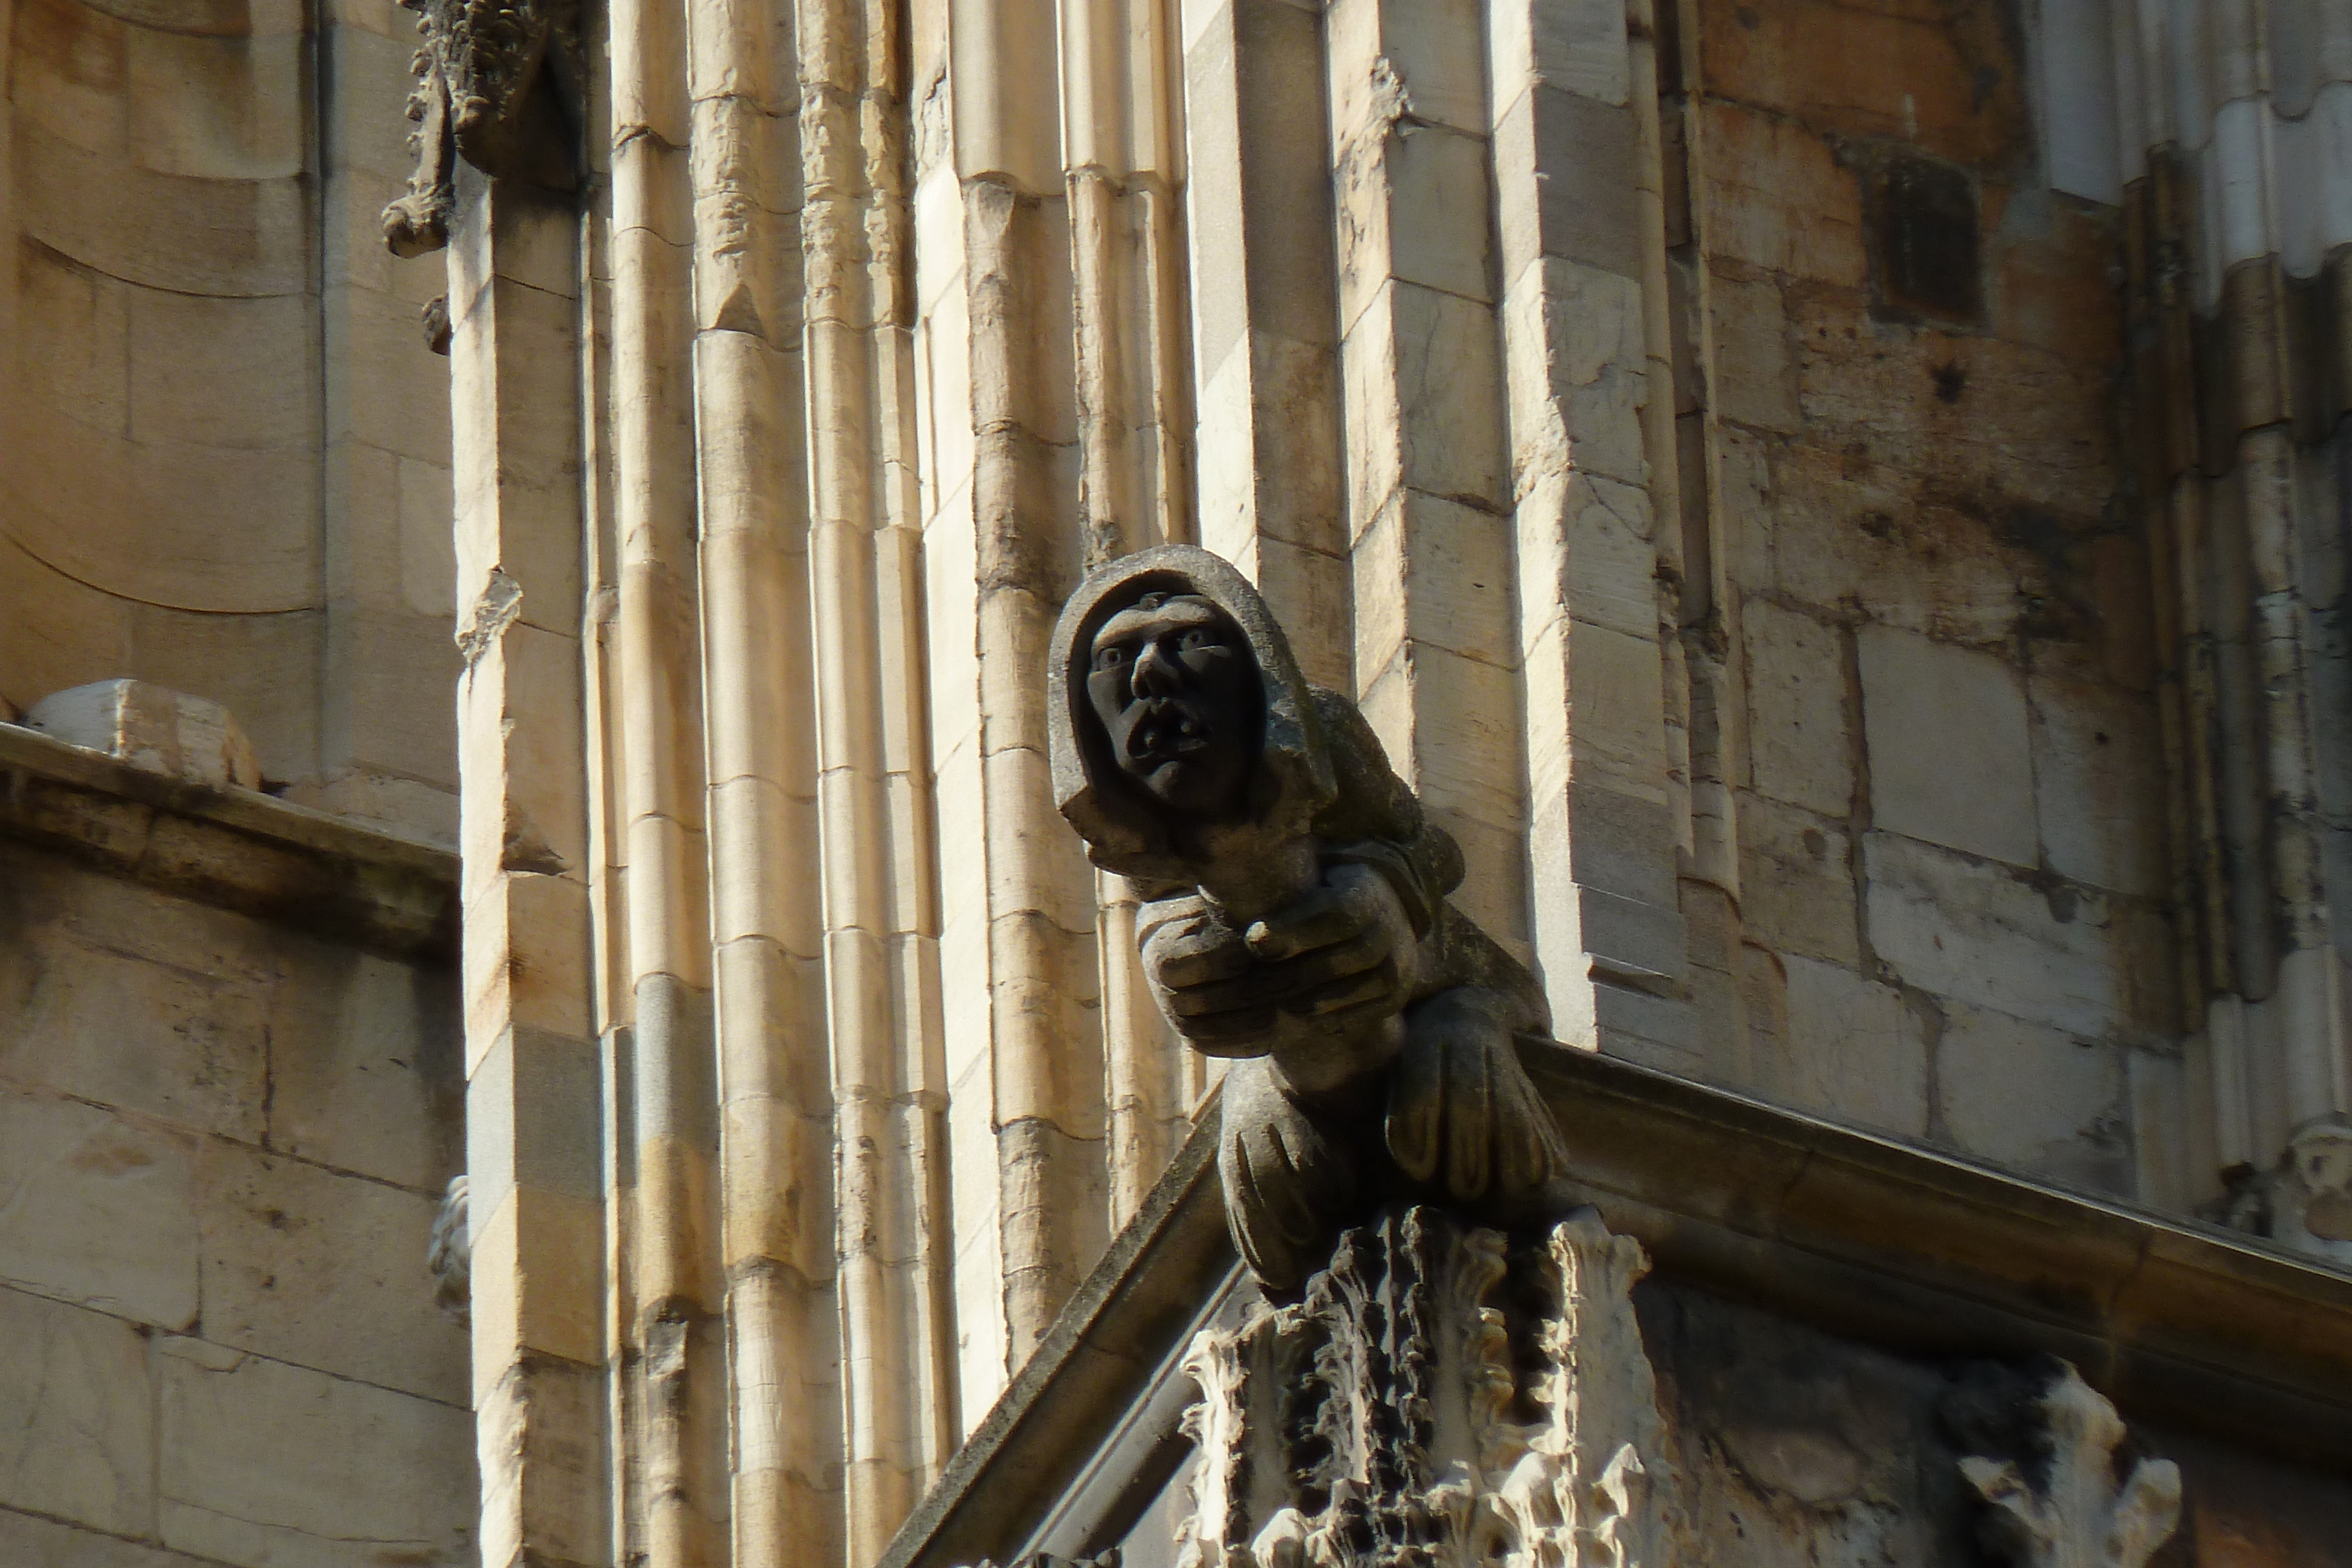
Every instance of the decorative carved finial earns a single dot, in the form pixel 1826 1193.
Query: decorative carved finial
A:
pixel 1375 1419
pixel 2064 1507
pixel 477 72
pixel 1297 918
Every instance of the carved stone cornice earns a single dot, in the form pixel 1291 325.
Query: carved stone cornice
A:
pixel 234 849
pixel 1889 1243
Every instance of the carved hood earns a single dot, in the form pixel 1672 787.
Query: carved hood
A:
pixel 1126 830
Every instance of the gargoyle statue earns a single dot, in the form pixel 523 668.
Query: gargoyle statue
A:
pixel 496 83
pixel 1296 917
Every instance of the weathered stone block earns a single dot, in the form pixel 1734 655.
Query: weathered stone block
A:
pixel 2033 1097
pixel 1032 867
pixel 1777 199
pixel 269 1464
pixel 78 1441
pixel 265 668
pixel 1755 377
pixel 1796 882
pixel 29 1543
pixel 1436 572
pixel 107 1027
pixel 1420 370
pixel 527 958
pixel 364 1065
pixel 72 325
pixel 1798 742
pixel 2097 773
pixel 784 1145
pixel 1309 590
pixel 1036 1008
pixel 216 108
pixel 59 633
pixel 325 1270
pixel 1567 165
pixel 68 68
pixel 165 231
pixel 1949 758
pixel 371 66
pixel 1950 82
pixel 1609 685
pixel 2085 962
pixel 1412 212
pixel 1599 838
pixel 1853 531
pixel 1446 723
pixel 1579 373
pixel 1576 45
pixel 389 690
pixel 541 1432
pixel 536 1290
pixel 1431 49
pixel 400 401
pixel 1853 1049
pixel 532 1117
pixel 2007 438
pixel 153 727
pixel 520 726
pixel 141 922
pixel 1594 556
pixel 101 1210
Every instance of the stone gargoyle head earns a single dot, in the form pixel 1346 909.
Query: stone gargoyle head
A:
pixel 1186 745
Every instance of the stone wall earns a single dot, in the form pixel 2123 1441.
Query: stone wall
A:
pixel 222 1146
pixel 230 444
pixel 1948 799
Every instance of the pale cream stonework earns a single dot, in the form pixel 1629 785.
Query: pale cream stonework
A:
pixel 1846 536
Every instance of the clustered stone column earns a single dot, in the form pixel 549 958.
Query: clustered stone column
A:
pixel 2238 284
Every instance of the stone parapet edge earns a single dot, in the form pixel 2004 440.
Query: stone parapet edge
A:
pixel 1899 1245
pixel 234 849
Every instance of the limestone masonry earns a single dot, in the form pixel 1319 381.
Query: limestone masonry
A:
pixel 531 537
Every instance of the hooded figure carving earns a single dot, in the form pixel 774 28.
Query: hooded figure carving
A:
pixel 1296 917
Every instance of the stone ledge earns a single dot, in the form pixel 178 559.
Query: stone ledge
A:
pixel 1887 1242
pixel 231 848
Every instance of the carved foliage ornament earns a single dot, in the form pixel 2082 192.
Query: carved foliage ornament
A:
pixel 2064 1506
pixel 1433 1399
pixel 478 96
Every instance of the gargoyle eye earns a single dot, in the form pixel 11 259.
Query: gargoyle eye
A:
pixel 1196 639
pixel 1111 658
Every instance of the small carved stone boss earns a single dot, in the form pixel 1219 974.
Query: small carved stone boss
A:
pixel 1296 917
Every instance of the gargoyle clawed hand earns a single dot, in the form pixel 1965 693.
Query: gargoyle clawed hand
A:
pixel 1297 918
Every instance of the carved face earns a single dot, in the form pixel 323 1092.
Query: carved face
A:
pixel 1172 680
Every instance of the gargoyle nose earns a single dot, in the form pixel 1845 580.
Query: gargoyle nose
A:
pixel 1156 675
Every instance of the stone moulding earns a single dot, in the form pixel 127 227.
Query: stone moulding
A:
pixel 1385 1417
pixel 1867 1236
pixel 233 849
